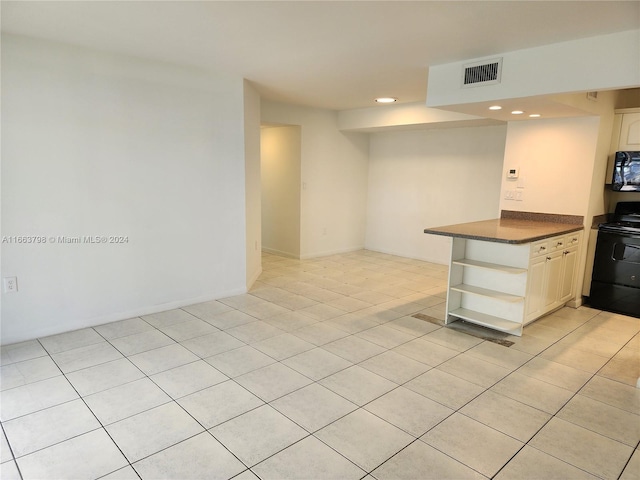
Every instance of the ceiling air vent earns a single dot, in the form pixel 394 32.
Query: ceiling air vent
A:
pixel 486 72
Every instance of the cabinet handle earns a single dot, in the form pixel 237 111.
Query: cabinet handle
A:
pixel 548 258
pixel 558 244
pixel 566 252
pixel 543 248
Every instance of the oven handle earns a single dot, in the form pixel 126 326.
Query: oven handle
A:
pixel 617 252
pixel 619 233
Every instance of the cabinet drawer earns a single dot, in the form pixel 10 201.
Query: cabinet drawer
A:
pixel 572 240
pixel 556 243
pixel 539 248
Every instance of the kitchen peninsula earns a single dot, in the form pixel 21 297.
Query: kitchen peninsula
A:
pixel 507 272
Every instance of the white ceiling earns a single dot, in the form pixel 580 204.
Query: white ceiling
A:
pixel 327 54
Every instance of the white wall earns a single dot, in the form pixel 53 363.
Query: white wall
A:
pixel 562 164
pixel 556 161
pixel 252 183
pixel 403 116
pixel 98 144
pixel 334 179
pixel 281 164
pixel 431 178
pixel 604 62
pixel 603 108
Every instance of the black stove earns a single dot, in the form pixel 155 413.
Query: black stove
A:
pixel 627 214
pixel 615 284
pixel 621 226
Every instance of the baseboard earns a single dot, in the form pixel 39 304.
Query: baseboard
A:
pixel 123 315
pixel 575 303
pixel 280 253
pixel 413 257
pixel 253 278
pixel 326 253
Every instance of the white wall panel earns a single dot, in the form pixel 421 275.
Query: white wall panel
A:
pixel 95 144
pixel 431 178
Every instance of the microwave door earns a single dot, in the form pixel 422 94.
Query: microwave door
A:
pixel 631 174
pixel 626 175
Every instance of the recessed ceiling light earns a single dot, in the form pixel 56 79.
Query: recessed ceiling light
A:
pixel 517 112
pixel 534 115
pixel 386 100
pixel 495 107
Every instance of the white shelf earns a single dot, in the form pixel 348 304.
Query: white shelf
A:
pixel 496 323
pixel 507 282
pixel 466 262
pixel 485 292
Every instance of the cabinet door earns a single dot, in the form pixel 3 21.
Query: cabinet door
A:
pixel 630 132
pixel 535 289
pixel 567 279
pixel 553 271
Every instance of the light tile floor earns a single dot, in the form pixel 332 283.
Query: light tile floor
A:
pixel 322 371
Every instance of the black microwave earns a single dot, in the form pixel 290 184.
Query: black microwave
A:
pixel 626 172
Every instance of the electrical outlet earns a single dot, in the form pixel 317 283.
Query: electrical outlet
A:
pixel 10 284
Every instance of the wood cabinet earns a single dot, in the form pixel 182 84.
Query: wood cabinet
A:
pixel 553 270
pixel 629 134
pixel 545 269
pixel 567 285
pixel 505 286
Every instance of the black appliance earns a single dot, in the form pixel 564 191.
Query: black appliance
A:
pixel 626 172
pixel 615 285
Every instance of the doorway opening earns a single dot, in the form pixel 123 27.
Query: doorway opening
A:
pixel 280 164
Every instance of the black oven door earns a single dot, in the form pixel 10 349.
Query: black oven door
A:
pixel 617 259
pixel 615 283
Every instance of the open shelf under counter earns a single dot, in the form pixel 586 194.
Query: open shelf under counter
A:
pixel 466 262
pixel 485 292
pixel 496 277
pixel 490 321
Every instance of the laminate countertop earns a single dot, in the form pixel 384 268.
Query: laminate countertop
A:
pixel 506 230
